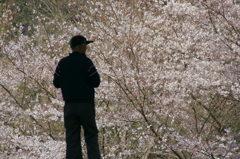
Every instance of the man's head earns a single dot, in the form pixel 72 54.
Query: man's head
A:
pixel 78 43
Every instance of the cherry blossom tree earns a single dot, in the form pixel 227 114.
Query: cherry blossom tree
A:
pixel 169 69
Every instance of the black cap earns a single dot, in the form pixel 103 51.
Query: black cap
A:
pixel 77 40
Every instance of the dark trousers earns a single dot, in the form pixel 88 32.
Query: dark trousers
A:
pixel 76 115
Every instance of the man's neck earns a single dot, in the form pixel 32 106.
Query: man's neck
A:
pixel 79 52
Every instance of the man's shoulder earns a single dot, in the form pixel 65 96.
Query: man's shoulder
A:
pixel 67 57
pixel 63 59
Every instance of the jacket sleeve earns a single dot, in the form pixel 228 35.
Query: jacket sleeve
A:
pixel 56 80
pixel 93 76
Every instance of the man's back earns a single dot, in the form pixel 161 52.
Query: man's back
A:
pixel 77 77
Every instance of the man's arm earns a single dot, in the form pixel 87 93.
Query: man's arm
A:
pixel 94 78
pixel 56 80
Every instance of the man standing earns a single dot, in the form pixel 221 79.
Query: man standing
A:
pixel 77 77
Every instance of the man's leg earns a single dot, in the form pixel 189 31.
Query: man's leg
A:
pixel 90 131
pixel 73 129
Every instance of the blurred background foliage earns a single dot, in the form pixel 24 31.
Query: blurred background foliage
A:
pixel 222 112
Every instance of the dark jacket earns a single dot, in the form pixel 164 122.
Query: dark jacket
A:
pixel 76 76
